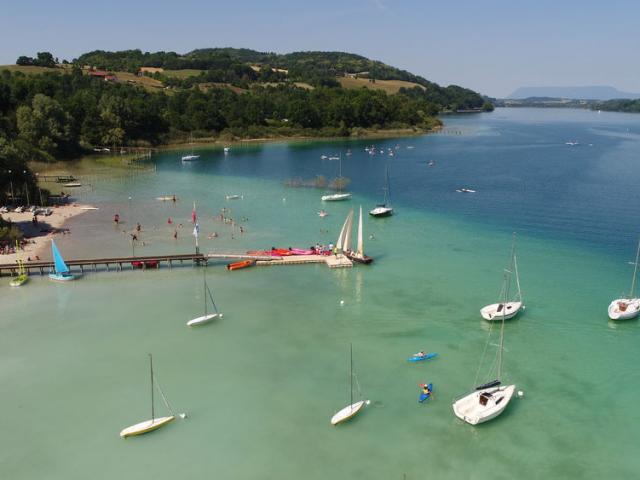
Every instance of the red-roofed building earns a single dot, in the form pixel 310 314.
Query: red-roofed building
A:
pixel 108 77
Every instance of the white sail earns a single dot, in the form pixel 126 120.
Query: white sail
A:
pixel 346 244
pixel 360 251
pixel 341 237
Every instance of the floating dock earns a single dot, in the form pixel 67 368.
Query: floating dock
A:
pixel 127 263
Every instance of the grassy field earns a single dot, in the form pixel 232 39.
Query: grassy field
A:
pixel 182 73
pixel 148 83
pixel 389 86
pixel 32 70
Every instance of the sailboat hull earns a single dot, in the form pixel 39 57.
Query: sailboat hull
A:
pixel 381 212
pixel 336 197
pixel 347 412
pixel 62 277
pixel 483 405
pixel 498 311
pixel 364 259
pixel 624 308
pixel 146 426
pixel 203 319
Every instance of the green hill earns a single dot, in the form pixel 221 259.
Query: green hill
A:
pixel 241 67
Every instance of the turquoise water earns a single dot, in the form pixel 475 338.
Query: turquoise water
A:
pixel 261 384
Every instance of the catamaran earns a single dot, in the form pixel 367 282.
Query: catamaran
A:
pixel 488 400
pixel 358 255
pixel 207 317
pixel 22 277
pixel 627 308
pixel 154 423
pixel 61 272
pixel 384 209
pixel 353 408
pixel 508 308
pixel 335 197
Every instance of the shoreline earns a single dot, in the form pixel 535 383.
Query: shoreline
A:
pixel 368 134
pixel 38 236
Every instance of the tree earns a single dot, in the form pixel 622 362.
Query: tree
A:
pixel 45 59
pixel 23 60
pixel 45 125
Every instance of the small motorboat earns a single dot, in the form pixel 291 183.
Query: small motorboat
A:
pixel 322 213
pixel 465 190
pixel 431 163
pixel 190 158
pixel 234 197
pixel 226 149
pixel 241 264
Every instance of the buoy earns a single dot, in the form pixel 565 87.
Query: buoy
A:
pixel 520 394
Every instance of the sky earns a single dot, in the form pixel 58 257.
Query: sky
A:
pixel 491 46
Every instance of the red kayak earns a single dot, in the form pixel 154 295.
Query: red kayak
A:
pixel 242 264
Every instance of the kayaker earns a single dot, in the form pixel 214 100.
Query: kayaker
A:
pixel 419 354
pixel 425 389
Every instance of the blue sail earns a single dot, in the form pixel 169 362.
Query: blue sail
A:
pixel 61 267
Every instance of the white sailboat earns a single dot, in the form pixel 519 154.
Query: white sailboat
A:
pixel 191 156
pixel 358 255
pixel 335 197
pixel 384 209
pixel 488 400
pixel 154 423
pixel 207 317
pixel 353 408
pixel 508 308
pixel 344 239
pixel 627 308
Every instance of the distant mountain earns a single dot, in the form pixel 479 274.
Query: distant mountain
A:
pixel 577 93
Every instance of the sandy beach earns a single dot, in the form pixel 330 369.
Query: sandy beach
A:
pixel 38 235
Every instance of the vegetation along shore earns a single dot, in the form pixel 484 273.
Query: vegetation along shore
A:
pixel 52 110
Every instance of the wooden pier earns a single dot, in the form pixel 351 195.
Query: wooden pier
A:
pixel 155 261
pixel 117 263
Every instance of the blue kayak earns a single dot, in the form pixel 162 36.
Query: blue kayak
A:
pixel 424 396
pixel 423 357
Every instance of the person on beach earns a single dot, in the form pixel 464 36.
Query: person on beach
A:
pixel 138 227
pixel 174 199
pixel 116 219
pixel 169 221
pixel 175 234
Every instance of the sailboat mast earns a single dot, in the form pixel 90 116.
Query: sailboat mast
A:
pixel 351 371
pixel 153 413
pixel 204 293
pixel 635 272
pixel 501 343
pixel 360 251
pixel 387 191
pixel 515 269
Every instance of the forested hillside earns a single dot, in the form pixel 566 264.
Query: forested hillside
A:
pixel 51 111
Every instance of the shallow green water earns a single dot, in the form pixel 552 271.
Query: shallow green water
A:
pixel 261 384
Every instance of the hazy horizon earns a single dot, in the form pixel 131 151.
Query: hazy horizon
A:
pixel 493 48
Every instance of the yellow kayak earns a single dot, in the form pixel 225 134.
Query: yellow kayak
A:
pixel 19 280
